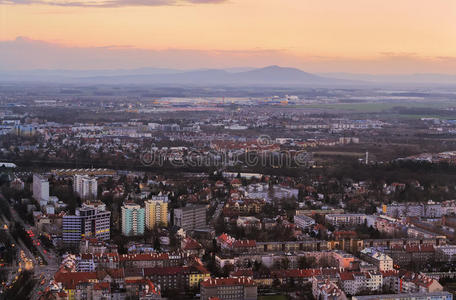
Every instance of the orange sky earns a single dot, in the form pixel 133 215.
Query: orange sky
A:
pixel 302 29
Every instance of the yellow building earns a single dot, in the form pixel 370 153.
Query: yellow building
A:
pixel 70 293
pixel 156 211
pixel 198 273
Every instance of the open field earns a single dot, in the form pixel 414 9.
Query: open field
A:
pixel 373 107
pixel 387 109
pixel 338 153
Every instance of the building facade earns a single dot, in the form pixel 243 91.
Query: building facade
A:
pixel 40 188
pixel 304 222
pixel 229 288
pixel 345 219
pixel 91 220
pixel 382 261
pixel 85 186
pixel 133 219
pixel 190 217
pixel 156 211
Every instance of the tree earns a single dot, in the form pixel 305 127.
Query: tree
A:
pixel 227 269
pixel 306 262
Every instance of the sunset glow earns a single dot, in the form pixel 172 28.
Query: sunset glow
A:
pixel 324 35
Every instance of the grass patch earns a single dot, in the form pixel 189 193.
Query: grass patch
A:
pixel 373 107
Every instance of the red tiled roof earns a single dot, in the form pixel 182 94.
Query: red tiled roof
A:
pixel 420 248
pixel 346 276
pixel 116 273
pixel 201 268
pixel 241 272
pixel 191 244
pixel 296 273
pixel 70 279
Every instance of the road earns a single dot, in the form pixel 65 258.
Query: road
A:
pixel 28 260
pixel 42 272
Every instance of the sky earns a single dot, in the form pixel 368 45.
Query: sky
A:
pixel 357 36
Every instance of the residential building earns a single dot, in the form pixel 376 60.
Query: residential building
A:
pixel 248 223
pixel 390 226
pixel 342 259
pixel 191 247
pixel 133 219
pixel 382 261
pixel 40 188
pixel 354 283
pixel 304 222
pixel 417 255
pixel 345 219
pixel 104 284
pixel 190 217
pixel 402 281
pixel 229 288
pixel 445 253
pixel 177 277
pixel 156 211
pixel 85 186
pixel 326 290
pixel 429 210
pixel 90 220
pixel 25 129
pixel 150 260
pixel 322 212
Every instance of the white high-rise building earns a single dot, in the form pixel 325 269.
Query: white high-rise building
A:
pixel 85 186
pixel 40 188
pixel 190 217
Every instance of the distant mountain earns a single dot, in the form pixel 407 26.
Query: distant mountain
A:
pixel 271 75
pixel 278 74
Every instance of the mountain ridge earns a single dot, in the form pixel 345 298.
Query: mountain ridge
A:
pixel 242 76
pixel 267 75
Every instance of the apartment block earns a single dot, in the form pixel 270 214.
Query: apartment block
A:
pixel 40 188
pixel 85 186
pixel 229 288
pixel 92 220
pixel 382 261
pixel 345 219
pixel 304 222
pixel 133 219
pixel 156 211
pixel 190 217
